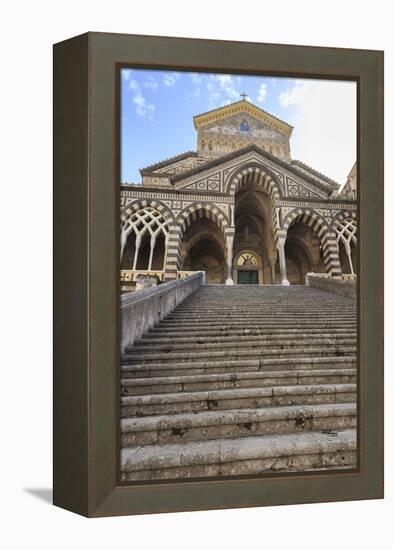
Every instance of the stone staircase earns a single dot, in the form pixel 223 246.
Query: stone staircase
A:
pixel 242 380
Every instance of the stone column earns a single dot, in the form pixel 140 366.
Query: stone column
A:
pixel 123 241
pixel 137 245
pixel 348 251
pixel 273 270
pixel 283 265
pixel 172 255
pixel 229 243
pixel 152 245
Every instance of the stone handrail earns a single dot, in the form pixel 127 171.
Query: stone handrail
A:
pixel 341 286
pixel 142 309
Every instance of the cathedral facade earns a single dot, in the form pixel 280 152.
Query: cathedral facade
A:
pixel 239 208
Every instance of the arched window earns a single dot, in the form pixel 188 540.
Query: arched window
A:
pixel 247 260
pixel 149 226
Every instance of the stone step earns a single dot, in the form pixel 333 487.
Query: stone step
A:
pixel 239 332
pixel 326 350
pixel 241 365
pixel 243 337
pixel 205 382
pixel 197 325
pixel 172 403
pixel 262 316
pixel 242 456
pixel 261 343
pixel 228 304
pixel 168 429
pixel 263 311
pixel 256 300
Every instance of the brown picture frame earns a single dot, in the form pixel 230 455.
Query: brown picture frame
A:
pixel 86 272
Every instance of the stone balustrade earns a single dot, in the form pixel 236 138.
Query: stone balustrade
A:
pixel 344 286
pixel 142 309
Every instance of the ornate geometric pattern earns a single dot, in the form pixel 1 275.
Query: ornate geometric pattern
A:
pixel 197 185
pixel 147 220
pixel 346 231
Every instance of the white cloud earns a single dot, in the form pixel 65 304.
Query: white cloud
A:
pixel 125 74
pixel 151 83
pixel 196 78
pixel 323 114
pixel 223 89
pixel 197 82
pixel 262 93
pixel 170 79
pixel 142 106
pixel 134 85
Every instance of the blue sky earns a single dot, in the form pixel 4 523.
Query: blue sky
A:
pixel 157 109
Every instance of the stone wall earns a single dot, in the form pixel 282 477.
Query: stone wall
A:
pixel 337 286
pixel 142 309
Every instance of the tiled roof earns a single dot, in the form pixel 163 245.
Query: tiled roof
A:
pixel 167 161
pixel 314 172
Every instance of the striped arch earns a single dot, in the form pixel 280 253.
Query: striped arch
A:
pixel 140 204
pixel 197 211
pixel 183 220
pixel 321 228
pixel 258 174
pixel 262 176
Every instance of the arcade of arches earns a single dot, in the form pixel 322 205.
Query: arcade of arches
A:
pixel 244 214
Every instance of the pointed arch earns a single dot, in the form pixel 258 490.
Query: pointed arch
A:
pixel 139 204
pixel 341 216
pixel 319 225
pixel 197 211
pixel 345 231
pixel 149 225
pixel 258 173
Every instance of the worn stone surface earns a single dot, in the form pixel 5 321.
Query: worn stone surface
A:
pixel 284 365
pixel 141 310
pixel 146 281
pixel 241 456
pixel 337 286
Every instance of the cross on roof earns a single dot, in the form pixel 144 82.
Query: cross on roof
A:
pixel 243 95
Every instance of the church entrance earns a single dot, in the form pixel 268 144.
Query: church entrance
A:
pixel 247 268
pixel 247 277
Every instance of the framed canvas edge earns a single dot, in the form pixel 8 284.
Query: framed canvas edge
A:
pixel 105 52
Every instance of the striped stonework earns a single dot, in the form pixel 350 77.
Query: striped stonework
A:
pixel 172 264
pixel 321 228
pixel 255 174
pixel 259 176
pixel 198 211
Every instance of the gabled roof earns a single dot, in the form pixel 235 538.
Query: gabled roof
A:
pixel 242 106
pixel 328 187
pixel 312 171
pixel 167 161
